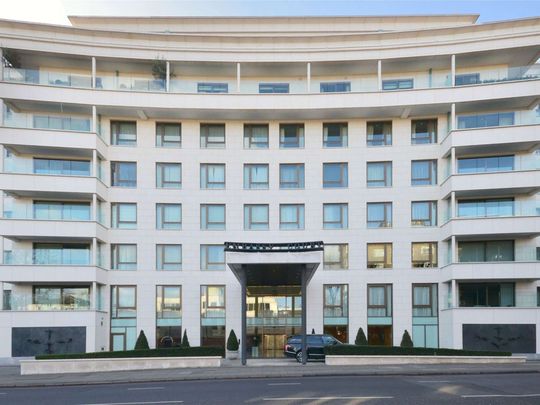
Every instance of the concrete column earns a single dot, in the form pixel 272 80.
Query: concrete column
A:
pixel 94 251
pixel 453 69
pixel 308 77
pixel 94 207
pixel 93 72
pixel 453 211
pixel 454 294
pixel 168 77
pixel 243 309
pixel 1 295
pixel 2 112
pixel 238 77
pixel 94 163
pixel 453 161
pixel 453 117
pixel 1 75
pixel 94 119
pixel 94 305
pixel 379 74
pixel 304 317
pixel 453 249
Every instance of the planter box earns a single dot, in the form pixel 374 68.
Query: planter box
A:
pixel 114 364
pixel 387 360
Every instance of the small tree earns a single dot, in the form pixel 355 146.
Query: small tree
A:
pixel 159 69
pixel 361 339
pixel 142 342
pixel 406 340
pixel 232 342
pixel 185 341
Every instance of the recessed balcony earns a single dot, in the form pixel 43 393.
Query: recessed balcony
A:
pixel 31 228
pixel 21 267
pixel 521 269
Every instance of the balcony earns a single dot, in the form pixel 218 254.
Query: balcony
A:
pixel 517 270
pixel 21 269
pixel 42 76
pixel 40 229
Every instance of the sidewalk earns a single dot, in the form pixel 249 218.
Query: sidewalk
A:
pixel 10 375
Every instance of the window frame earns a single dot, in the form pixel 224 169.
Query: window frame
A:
pixel 433 173
pixel 300 217
pixel 431 138
pixel 212 87
pixel 204 135
pixel 115 257
pixel 343 181
pixel 116 181
pixel 299 173
pixel 162 266
pixel 248 221
pixel 343 128
pixel 299 137
pixel 116 135
pixel 115 212
pixel 335 87
pixel 274 88
pixel 433 208
pixel 160 212
pixel 388 259
pixel 387 138
pixel 252 185
pixel 204 168
pixel 206 265
pixel 208 225
pixel 433 256
pixel 387 305
pixel 248 136
pixel 387 221
pixel 387 178
pixel 343 263
pixel 398 84
pixel 161 142
pixel 160 173
pixel 343 213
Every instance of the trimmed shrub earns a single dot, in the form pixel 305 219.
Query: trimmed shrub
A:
pixel 168 352
pixel 361 339
pixel 232 342
pixel 406 340
pixel 142 342
pixel 185 341
pixel 355 350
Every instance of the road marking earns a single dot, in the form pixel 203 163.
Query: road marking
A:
pixel 434 381
pixel 320 398
pixel 146 388
pixel 138 403
pixel 291 383
pixel 501 396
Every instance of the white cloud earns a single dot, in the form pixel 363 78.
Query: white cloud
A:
pixel 45 11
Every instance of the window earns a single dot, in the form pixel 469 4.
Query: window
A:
pixel 168 316
pixel 335 216
pixel 379 255
pixel 168 175
pixel 467 78
pixel 489 251
pixel 379 215
pixel 291 216
pixel 291 175
pixel 291 136
pixel 335 135
pixel 335 175
pixel 212 257
pixel 256 216
pixel 123 174
pixel 169 257
pixel 123 317
pixel 212 176
pixel 212 217
pixel 423 172
pixel 379 133
pixel 424 213
pixel 424 300
pixel 60 253
pixel 168 135
pixel 212 87
pixel 255 176
pixel 397 84
pixel 336 256
pixel 379 174
pixel 212 315
pixel 335 87
pixel 486 120
pixel 486 208
pixel 124 215
pixel 169 216
pixel 54 298
pixel 213 136
pixel 486 164
pixel 424 254
pixel 487 295
pixel 423 131
pixel 61 167
pixel 124 133
pixel 379 300
pixel 256 136
pixel 335 300
pixel 58 210
pixel 123 257
pixel 268 88
pixel 61 123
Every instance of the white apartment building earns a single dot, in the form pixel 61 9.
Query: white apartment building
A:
pixel 403 150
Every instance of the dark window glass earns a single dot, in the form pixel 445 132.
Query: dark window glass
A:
pixel 269 88
pixel 212 88
pixel 398 84
pixel 335 87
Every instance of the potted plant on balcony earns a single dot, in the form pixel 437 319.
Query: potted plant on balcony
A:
pixel 232 346
pixel 159 71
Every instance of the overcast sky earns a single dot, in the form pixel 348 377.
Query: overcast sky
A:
pixel 55 11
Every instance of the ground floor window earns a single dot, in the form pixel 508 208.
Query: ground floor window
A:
pixel 340 332
pixel 213 335
pixel 380 335
pixel 168 336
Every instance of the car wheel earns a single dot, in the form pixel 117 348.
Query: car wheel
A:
pixel 299 356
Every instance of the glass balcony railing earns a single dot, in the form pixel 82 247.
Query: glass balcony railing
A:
pixel 68 257
pixel 28 302
pixel 521 255
pixel 494 209
pixel 498 119
pixel 503 74
pixel 129 83
pixel 48 77
pixel 51 167
pixel 69 213
pixel 52 122
pixel 487 165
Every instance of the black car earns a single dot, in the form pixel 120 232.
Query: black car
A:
pixel 315 346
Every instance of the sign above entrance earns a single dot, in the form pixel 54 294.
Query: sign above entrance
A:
pixel 273 247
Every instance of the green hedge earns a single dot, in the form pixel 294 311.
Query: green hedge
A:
pixel 169 352
pixel 345 350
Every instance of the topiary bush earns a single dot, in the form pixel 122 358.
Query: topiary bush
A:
pixel 406 340
pixel 361 339
pixel 185 341
pixel 232 342
pixel 142 342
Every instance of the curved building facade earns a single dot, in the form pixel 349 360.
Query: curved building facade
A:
pixel 171 174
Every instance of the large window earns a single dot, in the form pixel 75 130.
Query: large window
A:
pixel 379 133
pixel 269 88
pixel 168 316
pixel 336 256
pixel 335 175
pixel 424 300
pixel 123 256
pixel 124 215
pixel 423 131
pixel 291 175
pixel 291 136
pixel 424 213
pixel 486 294
pixel 467 79
pixel 74 254
pixel 169 257
pixel 124 133
pixel 335 135
pixel 61 167
pixel 256 217
pixel 256 136
pixel 379 215
pixel 486 120
pixel 123 317
pixel 213 315
pixel 212 87
pixel 486 251
pixel 212 257
pixel 212 176
pixel 213 217
pixel 213 136
pixel 123 174
pixel 379 255
pixel 335 216
pixel 168 175
pixel 58 210
pixel 335 87
pixel 336 311
pixel 291 216
pixel 379 174
pixel 424 254
pixel 54 298
pixel 397 84
pixel 486 164
pixel 486 208
pixel 379 300
pixel 169 216
pixel 255 176
pixel 168 135
pixel 423 172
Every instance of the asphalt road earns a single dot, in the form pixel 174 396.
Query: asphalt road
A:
pixel 455 389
